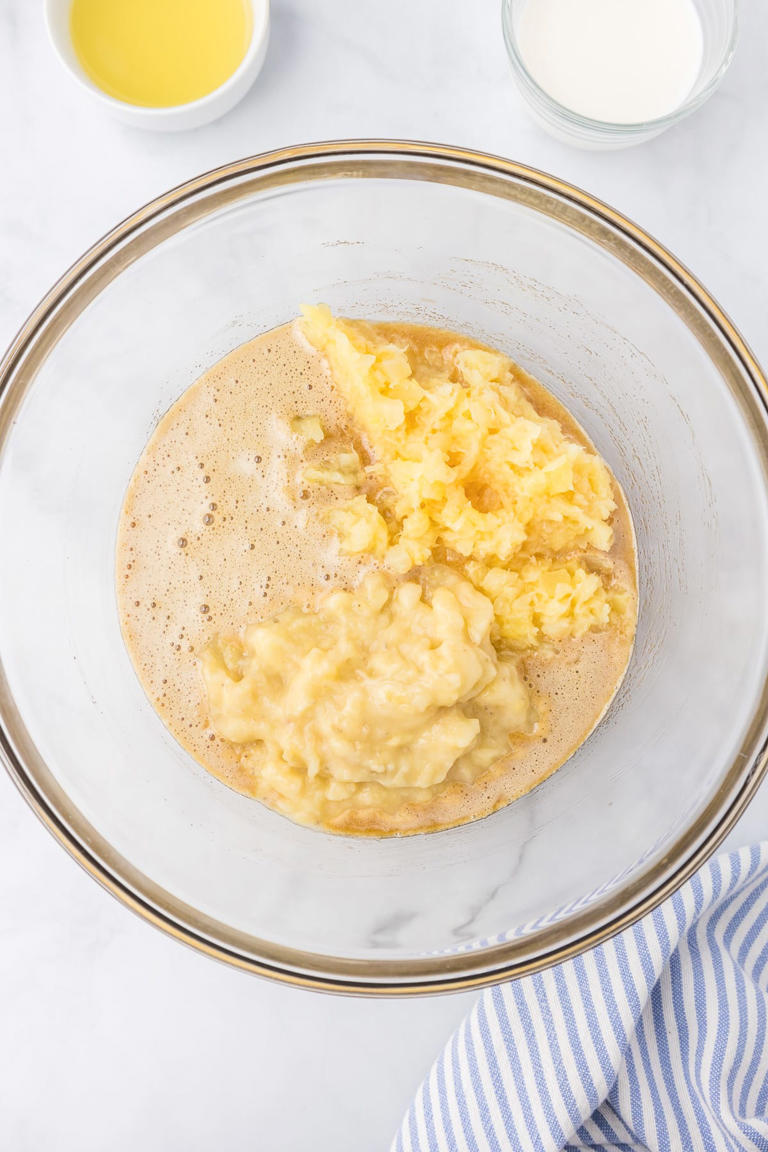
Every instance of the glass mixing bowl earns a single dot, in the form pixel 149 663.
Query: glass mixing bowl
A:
pixel 619 331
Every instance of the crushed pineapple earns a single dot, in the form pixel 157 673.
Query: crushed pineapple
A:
pixel 467 467
pixel 341 468
pixel 360 525
pixel 542 600
pixel 309 428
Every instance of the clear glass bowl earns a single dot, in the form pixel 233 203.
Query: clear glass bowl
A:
pixel 719 28
pixel 619 331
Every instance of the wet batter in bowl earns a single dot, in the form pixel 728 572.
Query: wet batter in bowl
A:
pixel 375 576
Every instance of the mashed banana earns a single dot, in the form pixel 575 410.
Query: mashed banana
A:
pixel 389 687
pixel 489 529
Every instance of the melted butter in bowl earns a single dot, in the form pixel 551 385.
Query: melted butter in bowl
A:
pixel 161 64
pixel 375 576
pixel 160 53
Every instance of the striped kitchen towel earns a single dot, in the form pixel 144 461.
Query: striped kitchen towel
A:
pixel 656 1040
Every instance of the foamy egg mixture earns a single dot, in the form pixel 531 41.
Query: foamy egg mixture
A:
pixel 375 576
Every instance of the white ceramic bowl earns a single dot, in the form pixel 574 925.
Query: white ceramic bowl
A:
pixel 176 116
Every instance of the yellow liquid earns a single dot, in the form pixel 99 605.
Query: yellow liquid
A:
pixel 158 53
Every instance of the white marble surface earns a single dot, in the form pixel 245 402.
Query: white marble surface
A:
pixel 112 1036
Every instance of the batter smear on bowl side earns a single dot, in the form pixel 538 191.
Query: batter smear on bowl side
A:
pixel 375 575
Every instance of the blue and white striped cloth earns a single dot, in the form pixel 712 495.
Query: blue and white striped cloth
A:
pixel 656 1040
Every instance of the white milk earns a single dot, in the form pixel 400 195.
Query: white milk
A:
pixel 623 61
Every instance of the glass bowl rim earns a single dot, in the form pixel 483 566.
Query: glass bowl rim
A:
pixel 462 970
pixel 609 128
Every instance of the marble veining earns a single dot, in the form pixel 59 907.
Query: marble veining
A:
pixel 113 1034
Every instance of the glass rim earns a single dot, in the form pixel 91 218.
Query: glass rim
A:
pixel 168 215
pixel 610 128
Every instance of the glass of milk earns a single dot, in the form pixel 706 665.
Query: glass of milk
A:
pixel 610 73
